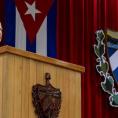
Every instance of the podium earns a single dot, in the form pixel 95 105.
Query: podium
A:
pixel 20 70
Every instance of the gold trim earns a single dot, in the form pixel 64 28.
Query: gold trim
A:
pixel 112 34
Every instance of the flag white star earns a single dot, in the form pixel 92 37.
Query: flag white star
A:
pixel 32 10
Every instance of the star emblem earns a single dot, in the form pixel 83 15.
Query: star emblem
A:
pixel 32 10
pixel 33 13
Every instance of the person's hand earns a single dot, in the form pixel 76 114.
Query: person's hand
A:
pixel 0 32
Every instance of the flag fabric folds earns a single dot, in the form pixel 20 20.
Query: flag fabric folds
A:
pixel 31 25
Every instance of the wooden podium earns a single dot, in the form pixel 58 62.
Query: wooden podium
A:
pixel 20 70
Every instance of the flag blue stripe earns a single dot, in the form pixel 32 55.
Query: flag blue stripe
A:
pixel 10 14
pixel 111 51
pixel 111 45
pixel 30 46
pixel 51 31
pixel 115 73
pixel 10 28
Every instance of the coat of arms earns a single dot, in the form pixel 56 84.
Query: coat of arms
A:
pixel 106 51
pixel 46 99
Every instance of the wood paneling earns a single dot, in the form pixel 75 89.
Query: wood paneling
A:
pixel 32 82
pixel 18 72
pixel 1 86
pixel 4 87
pixel 52 61
pixel 17 76
pixel 25 88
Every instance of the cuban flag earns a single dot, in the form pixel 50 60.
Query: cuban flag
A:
pixel 112 46
pixel 31 25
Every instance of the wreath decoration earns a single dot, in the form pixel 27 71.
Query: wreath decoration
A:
pixel 102 68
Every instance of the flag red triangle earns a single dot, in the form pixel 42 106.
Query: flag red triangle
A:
pixel 33 13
